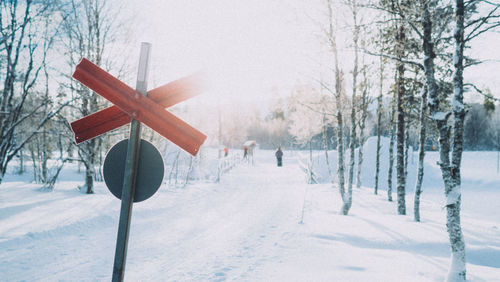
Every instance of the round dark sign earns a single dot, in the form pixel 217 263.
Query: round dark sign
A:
pixel 149 170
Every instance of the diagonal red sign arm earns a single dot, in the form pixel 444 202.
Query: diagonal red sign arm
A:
pixel 139 107
pixel 112 117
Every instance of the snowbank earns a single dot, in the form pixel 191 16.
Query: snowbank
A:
pixel 480 179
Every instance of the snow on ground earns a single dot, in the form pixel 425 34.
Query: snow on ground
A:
pixel 260 223
pixel 480 179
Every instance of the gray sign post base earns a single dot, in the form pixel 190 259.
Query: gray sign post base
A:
pixel 130 171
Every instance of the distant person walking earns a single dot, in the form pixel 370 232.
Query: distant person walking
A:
pixel 226 151
pixel 279 156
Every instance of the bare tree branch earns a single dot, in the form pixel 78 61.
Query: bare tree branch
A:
pixel 479 91
pixel 419 65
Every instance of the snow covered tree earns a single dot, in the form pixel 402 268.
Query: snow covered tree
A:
pixel 355 72
pixel 400 39
pixel 89 30
pixel 306 119
pixel 340 102
pixel 397 35
pixel 305 115
pixel 27 30
pixel 449 169
pixel 391 145
pixel 382 63
pixel 467 27
pixel 277 123
pixel 494 134
pixel 421 156
pixel 365 101
pixel 234 127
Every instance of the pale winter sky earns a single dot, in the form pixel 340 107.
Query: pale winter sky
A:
pixel 253 50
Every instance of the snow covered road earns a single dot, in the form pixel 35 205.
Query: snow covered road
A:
pixel 231 230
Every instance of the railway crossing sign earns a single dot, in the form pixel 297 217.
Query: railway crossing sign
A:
pixel 132 105
pixel 112 117
pixel 133 169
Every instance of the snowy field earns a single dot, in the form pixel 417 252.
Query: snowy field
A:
pixel 260 223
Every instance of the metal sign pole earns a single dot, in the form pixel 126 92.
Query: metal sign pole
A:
pixel 130 171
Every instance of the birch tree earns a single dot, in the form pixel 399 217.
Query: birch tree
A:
pixel 327 121
pixel 339 96
pixel 402 55
pixel 379 119
pixel 88 32
pixel 24 45
pixel 400 39
pixel 424 18
pixel 450 123
pixel 421 156
pixel 449 169
pixel 391 144
pixel 363 107
pixel 392 40
pixel 352 145
pixel 306 121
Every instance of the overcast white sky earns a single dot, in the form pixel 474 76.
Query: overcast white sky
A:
pixel 247 47
pixel 253 50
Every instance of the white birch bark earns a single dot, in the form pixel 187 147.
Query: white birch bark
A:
pixel 400 134
pixel 353 137
pixel 391 147
pixel 325 147
pixel 421 156
pixel 457 270
pixel 450 170
pixel 379 122
pixel 362 124
pixel 340 124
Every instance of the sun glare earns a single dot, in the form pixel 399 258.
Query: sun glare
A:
pixel 245 48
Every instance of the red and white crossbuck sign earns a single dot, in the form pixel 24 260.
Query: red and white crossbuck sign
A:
pixel 130 104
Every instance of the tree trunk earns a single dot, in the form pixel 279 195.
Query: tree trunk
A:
pixel 325 146
pixel 310 165
pixel 176 175
pixel 85 28
pixel 362 125
pixel 45 154
pixel 33 162
pixel 175 164
pixel 190 168
pixel 400 166
pixel 352 145
pixel 360 150
pixel 89 180
pixel 407 143
pixel 21 162
pixel 352 149
pixel 346 197
pixel 391 145
pixel 87 154
pixel 450 170
pixel 421 156
pixel 453 193
pixel 379 123
pixel 22 59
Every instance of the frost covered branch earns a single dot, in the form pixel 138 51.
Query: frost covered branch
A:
pixel 419 65
pixel 481 92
